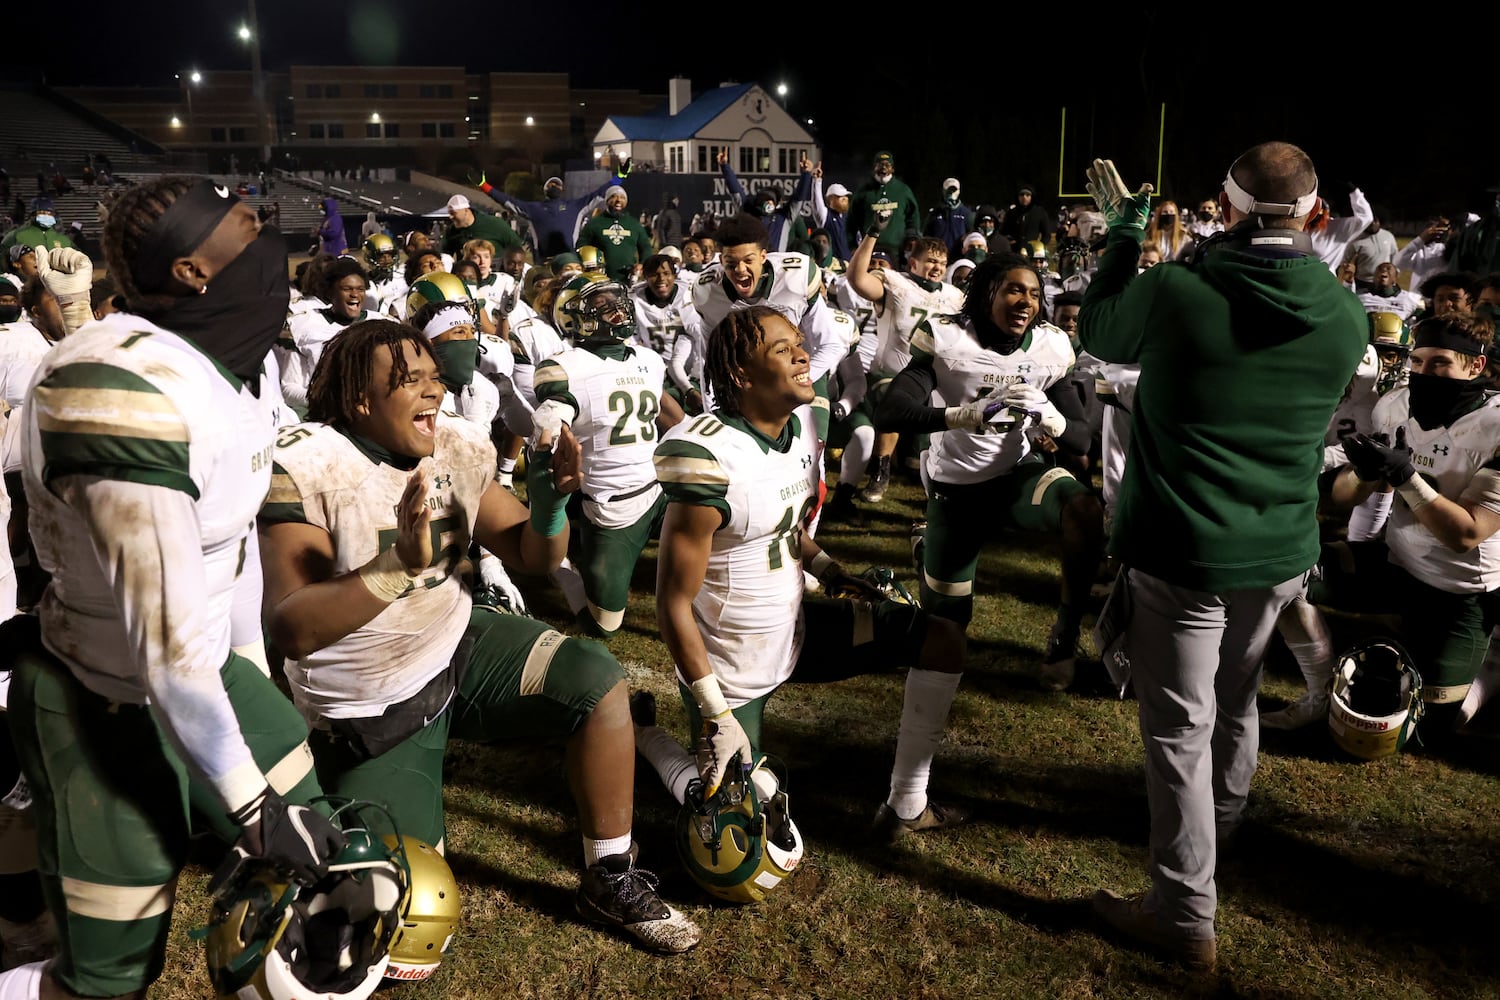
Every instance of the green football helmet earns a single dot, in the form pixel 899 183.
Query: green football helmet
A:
pixel 592 309
pixel 380 257
pixel 592 260
pixel 272 938
pixel 732 845
pixel 1392 339
pixel 435 289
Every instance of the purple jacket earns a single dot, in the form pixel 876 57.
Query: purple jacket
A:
pixel 331 238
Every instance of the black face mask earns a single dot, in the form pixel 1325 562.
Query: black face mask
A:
pixel 242 309
pixel 9 314
pixel 1437 401
pixel 1205 216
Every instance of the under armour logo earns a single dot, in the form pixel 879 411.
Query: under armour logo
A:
pixel 442 482
pixel 1440 449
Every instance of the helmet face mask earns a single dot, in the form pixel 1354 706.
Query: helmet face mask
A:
pixel 593 311
pixel 733 846
pixel 272 938
pixel 380 257
pixel 1376 700
pixel 1392 339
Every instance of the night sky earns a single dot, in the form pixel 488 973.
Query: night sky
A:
pixel 948 90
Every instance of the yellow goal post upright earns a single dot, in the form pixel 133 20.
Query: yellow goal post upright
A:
pixel 1122 142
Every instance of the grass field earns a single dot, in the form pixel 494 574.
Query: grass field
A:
pixel 1352 880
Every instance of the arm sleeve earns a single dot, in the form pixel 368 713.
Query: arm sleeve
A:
pixel 829 342
pixel 732 181
pixel 1111 323
pixel 682 350
pixel 820 210
pixel 1360 217
pixel 1077 436
pixel 800 195
pixel 147 540
pixel 907 407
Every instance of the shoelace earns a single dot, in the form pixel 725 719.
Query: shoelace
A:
pixel 632 885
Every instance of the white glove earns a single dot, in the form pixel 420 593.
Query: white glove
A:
pixel 68 274
pixel 972 416
pixel 722 737
pixel 492 574
pixel 1026 397
pixel 547 421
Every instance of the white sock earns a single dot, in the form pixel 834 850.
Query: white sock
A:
pixel 674 765
pixel 571 584
pixel 1306 634
pixel 1485 683
pixel 596 850
pixel 507 465
pixel 1368 518
pixel 924 714
pixel 23 982
pixel 857 455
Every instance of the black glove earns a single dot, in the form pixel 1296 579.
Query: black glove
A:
pixel 295 838
pixel 1375 459
pixel 878 222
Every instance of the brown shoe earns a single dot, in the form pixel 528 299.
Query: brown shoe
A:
pixel 889 828
pixel 1130 917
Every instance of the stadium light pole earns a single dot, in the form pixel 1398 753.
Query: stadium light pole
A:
pixel 250 33
pixel 193 79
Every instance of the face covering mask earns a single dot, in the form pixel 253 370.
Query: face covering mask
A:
pixel 458 359
pixel 976 254
pixel 1205 216
pixel 694 267
pixel 951 198
pixel 1437 401
pixel 241 311
pixel 46 221
pixel 9 314
pixel 554 193
pixel 1167 221
pixel 987 228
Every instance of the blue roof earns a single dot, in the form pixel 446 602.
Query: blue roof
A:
pixel 663 127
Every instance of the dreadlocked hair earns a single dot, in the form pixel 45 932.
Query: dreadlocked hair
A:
pixel 984 284
pixel 730 345
pixel 130 219
pixel 342 380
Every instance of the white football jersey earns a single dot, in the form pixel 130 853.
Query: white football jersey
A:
pixel 749 610
pixel 907 304
pixel 1118 395
pixel 324 478
pixel 792 284
pixel 123 394
pixel 387 298
pixel 966 372
pixel 1403 303
pixel 659 326
pixel 300 347
pixel 612 407
pixel 1448 458
pixel 21 348
pixel 1355 411
pixel 860 309
pixel 498 292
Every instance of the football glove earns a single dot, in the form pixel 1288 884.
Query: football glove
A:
pixel 877 224
pixel 295 838
pixel 972 416
pixel 1034 401
pixel 722 737
pixel 1121 209
pixel 623 171
pixel 1374 459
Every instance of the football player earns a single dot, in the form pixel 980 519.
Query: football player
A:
pixel 343 285
pixel 1386 294
pixel 386 284
pixel 145 454
pixel 495 290
pixel 741 484
pixel 998 371
pixel 669 325
pixel 902 302
pixel 612 396
pixel 790 283
pixel 372 506
pixel 1435 443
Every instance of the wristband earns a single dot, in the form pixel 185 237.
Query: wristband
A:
pixel 549 508
pixel 385 576
pixel 823 566
pixel 1417 493
pixel 711 703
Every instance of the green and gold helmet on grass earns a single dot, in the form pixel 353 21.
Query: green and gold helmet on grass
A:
pixel 269 937
pixel 1376 700
pixel 431 916
pixel 735 847
pixel 436 289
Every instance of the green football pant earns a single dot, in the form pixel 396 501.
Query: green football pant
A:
pixel 608 557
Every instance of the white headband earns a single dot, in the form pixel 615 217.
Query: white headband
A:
pixel 446 319
pixel 1245 201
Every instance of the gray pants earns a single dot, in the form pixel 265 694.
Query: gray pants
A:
pixel 1196 661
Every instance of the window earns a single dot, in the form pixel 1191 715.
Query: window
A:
pixel 781 161
pixel 316 131
pixel 677 159
pixel 236 135
pixel 332 90
pixel 314 90
pixel 445 130
pixel 747 160
pixel 372 90
pixel 217 135
pixel 429 130
pixel 336 130
pixel 392 130
pixel 426 90
pixel 387 90
pixel 445 90
pixel 372 130
pixel 763 158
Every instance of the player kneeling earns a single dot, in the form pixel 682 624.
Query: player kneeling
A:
pixel 371 509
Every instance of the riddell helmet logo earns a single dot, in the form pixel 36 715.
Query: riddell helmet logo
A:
pixel 1368 725
pixel 409 973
